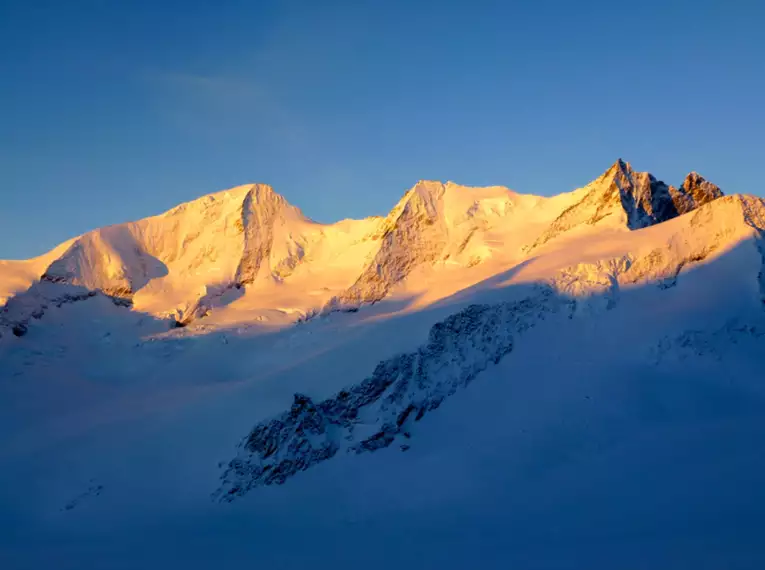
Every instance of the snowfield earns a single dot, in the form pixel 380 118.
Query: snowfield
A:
pixel 481 378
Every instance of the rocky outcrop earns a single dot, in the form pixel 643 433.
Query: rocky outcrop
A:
pixel 695 192
pixel 382 408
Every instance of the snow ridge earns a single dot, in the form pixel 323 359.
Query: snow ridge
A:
pixel 17 313
pixel 413 234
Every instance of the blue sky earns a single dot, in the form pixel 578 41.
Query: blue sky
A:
pixel 112 111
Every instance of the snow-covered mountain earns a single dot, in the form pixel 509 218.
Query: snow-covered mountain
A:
pixel 481 377
pixel 249 248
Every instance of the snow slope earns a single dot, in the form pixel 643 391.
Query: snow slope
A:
pixel 480 378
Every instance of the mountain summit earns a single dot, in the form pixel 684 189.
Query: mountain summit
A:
pixel 248 249
pixel 623 197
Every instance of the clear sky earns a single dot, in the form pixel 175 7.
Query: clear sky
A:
pixel 112 111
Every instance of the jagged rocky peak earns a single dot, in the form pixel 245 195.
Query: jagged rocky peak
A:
pixel 621 176
pixel 644 199
pixel 700 190
pixel 649 201
pixel 619 168
pixel 627 198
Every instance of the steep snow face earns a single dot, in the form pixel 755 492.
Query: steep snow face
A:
pixel 437 232
pixel 267 222
pixel 414 233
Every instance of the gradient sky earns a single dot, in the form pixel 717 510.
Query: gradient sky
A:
pixel 112 111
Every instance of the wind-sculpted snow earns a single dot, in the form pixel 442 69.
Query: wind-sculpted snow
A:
pixel 382 408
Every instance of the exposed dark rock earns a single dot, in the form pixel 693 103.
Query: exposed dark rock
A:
pixel 401 389
pixel 699 192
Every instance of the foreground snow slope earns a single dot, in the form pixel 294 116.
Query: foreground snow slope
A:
pixel 592 399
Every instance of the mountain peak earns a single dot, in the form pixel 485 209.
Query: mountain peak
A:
pixel 250 235
pixel 428 187
pixel 623 164
pixel 620 174
pixel 265 193
pixel 620 166
pixel 699 189
pixel 255 193
pixel 633 199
